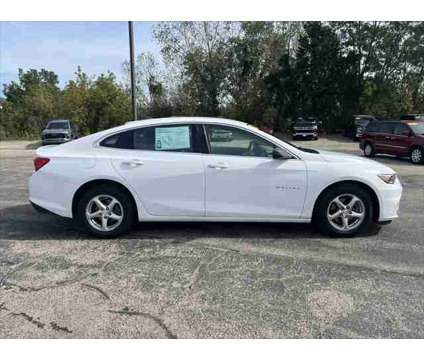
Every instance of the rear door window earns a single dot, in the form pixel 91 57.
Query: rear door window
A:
pixel 387 127
pixel 176 138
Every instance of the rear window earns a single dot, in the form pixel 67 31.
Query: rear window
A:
pixel 180 138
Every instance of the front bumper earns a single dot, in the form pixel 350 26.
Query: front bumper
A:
pixel 55 140
pixel 305 134
pixel 390 196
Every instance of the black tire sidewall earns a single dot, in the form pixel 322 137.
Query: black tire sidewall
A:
pixel 124 199
pixel 320 213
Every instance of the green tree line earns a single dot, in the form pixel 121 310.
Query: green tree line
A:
pixel 265 73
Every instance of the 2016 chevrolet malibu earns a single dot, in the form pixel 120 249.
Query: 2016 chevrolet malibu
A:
pixel 176 169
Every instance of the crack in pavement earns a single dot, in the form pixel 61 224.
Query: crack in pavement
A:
pixel 30 319
pixel 60 328
pixel 102 292
pixel 157 320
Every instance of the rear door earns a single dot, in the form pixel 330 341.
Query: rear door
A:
pixel 384 136
pixel 163 165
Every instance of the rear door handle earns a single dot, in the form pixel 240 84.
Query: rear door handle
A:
pixel 219 166
pixel 133 163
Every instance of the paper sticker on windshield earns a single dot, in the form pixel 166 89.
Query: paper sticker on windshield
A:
pixel 172 138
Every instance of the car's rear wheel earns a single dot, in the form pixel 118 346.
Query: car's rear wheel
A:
pixel 417 155
pixel 106 211
pixel 369 150
pixel 344 210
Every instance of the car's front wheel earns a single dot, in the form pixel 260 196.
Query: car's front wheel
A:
pixel 106 211
pixel 344 210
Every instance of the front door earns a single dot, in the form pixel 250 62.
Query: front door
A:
pixel 243 179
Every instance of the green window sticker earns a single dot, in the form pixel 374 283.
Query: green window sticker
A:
pixel 172 138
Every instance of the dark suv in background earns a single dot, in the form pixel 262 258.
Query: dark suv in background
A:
pixel 58 132
pixel 305 128
pixel 399 138
pixel 413 117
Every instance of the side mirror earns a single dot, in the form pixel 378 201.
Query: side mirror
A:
pixel 406 133
pixel 277 154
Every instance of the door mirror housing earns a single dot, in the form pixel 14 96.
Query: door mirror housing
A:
pixel 279 154
pixel 406 133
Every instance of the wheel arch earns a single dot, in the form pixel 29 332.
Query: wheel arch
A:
pixel 374 198
pixel 93 183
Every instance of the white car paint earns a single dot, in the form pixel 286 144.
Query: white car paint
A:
pixel 176 186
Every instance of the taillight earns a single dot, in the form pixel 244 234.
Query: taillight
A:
pixel 39 162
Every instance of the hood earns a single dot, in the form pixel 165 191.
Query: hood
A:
pixel 353 160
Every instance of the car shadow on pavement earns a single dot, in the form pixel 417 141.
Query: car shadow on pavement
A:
pixel 22 222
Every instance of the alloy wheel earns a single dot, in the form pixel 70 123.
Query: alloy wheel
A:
pixel 346 212
pixel 416 156
pixel 368 150
pixel 104 213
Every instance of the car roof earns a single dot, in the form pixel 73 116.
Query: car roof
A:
pixel 182 119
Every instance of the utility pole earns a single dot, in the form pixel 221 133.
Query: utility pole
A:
pixel 131 34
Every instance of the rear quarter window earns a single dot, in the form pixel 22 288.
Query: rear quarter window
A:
pixel 123 140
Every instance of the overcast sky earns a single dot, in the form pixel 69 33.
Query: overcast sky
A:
pixel 62 46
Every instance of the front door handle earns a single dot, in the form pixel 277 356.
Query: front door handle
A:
pixel 219 166
pixel 133 163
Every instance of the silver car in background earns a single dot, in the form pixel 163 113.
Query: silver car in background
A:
pixel 58 132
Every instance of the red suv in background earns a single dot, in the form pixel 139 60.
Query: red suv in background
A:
pixel 400 138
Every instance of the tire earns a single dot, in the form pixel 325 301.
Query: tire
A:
pixel 417 155
pixel 326 207
pixel 124 208
pixel 369 150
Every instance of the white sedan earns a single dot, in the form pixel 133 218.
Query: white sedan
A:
pixel 174 169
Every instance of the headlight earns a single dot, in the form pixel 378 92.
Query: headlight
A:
pixel 388 178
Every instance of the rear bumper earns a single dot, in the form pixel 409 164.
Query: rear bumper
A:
pixel 51 193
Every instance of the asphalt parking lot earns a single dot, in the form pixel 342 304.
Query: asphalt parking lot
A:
pixel 217 280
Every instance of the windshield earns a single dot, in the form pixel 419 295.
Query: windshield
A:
pixel 58 125
pixel 417 128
